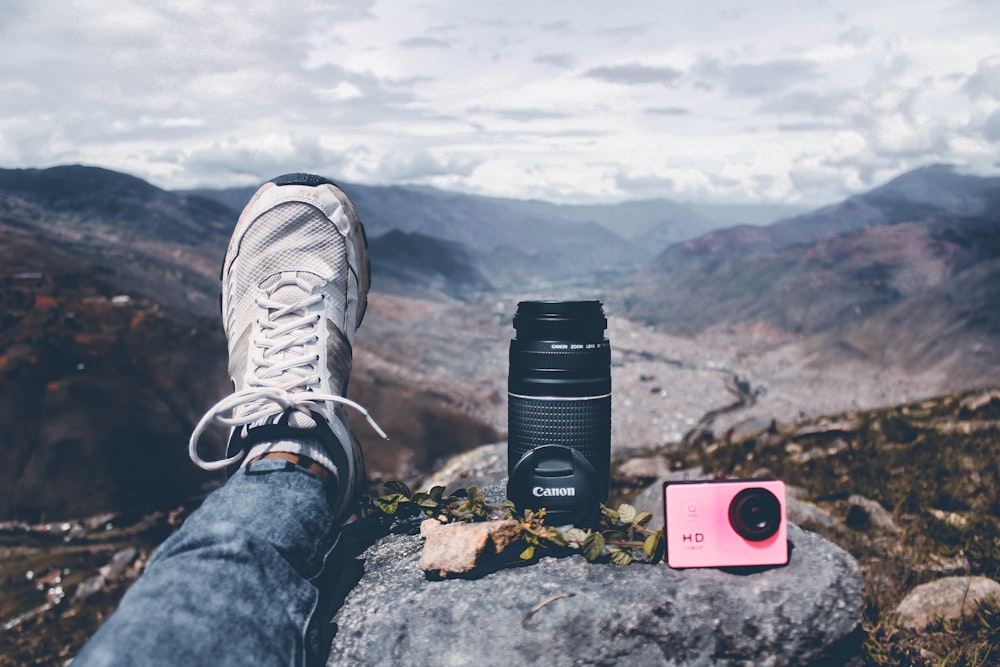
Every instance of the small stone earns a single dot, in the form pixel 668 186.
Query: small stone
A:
pixel 863 512
pixel 750 428
pixel 806 514
pixel 941 565
pixel 644 467
pixel 88 587
pixel 824 430
pixel 977 403
pixel 457 548
pixel 120 561
pixel 947 599
pixel 953 519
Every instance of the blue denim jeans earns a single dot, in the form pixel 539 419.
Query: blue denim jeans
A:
pixel 239 583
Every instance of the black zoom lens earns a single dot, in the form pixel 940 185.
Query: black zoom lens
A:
pixel 559 394
pixel 755 514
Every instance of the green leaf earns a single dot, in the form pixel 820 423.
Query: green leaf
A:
pixel 593 546
pixel 389 504
pixel 610 515
pixel 507 509
pixel 614 535
pixel 621 557
pixel 436 492
pixel 626 513
pixel 528 553
pixel 649 546
pixel 556 537
pixel 642 518
pixel 425 500
pixel 576 535
pixel 398 487
pixel 472 492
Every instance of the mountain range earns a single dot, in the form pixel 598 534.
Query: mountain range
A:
pixel 906 275
pixel 110 346
pixel 512 244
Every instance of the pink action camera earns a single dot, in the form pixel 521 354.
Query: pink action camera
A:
pixel 725 523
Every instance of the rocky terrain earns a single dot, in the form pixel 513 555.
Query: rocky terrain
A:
pixel 927 545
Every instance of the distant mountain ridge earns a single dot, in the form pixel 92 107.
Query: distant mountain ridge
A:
pixel 907 275
pixel 98 196
pixel 408 260
pixel 143 239
pixel 931 191
pixel 520 242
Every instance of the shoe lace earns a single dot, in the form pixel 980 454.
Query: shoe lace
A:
pixel 286 372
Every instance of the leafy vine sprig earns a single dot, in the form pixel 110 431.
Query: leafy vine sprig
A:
pixel 621 532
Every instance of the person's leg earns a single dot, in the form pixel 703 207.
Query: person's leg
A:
pixel 237 583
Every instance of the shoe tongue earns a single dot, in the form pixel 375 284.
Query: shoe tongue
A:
pixel 287 287
pixel 296 419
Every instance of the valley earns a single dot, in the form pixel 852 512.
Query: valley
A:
pixel 662 384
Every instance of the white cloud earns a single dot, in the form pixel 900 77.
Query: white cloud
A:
pixel 423 167
pixel 985 81
pixel 635 74
pixel 731 101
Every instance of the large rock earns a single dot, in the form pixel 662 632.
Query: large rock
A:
pixel 479 467
pixel 567 611
pixel 947 599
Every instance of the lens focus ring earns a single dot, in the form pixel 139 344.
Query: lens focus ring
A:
pixel 583 425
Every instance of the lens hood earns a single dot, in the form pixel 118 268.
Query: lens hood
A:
pixel 560 320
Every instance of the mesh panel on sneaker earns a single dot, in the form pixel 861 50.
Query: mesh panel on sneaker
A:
pixel 290 237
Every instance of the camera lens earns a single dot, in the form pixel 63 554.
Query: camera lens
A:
pixel 560 386
pixel 755 514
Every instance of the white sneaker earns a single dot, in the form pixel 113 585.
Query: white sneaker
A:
pixel 294 290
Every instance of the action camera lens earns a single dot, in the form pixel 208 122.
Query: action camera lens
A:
pixel 755 514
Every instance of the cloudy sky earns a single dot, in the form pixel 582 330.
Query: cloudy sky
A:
pixel 796 101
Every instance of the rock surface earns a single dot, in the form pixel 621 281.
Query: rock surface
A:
pixel 568 612
pixel 947 599
pixel 478 467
